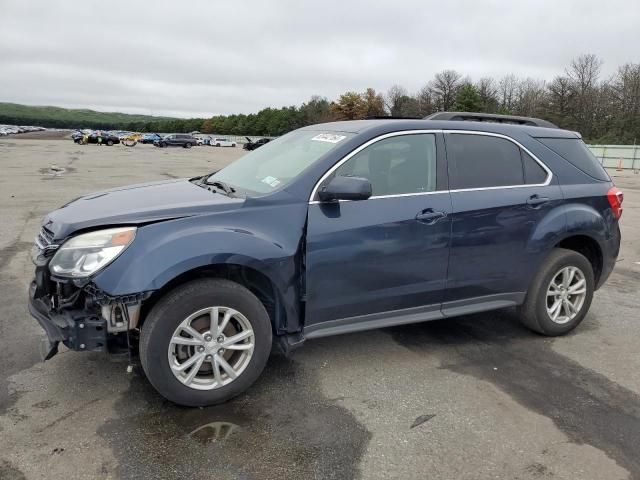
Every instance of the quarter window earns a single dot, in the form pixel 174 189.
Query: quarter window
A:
pixel 534 174
pixel 396 165
pixel 481 161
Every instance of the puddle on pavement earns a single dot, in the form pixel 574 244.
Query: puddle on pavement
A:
pixel 586 406
pixel 283 427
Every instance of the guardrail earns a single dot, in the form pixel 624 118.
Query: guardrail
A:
pixel 617 156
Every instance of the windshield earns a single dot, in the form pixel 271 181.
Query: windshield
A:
pixel 278 162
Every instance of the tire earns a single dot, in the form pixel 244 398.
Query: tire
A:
pixel 217 144
pixel 110 143
pixel 534 312
pixel 173 310
pixel 233 145
pixel 163 145
pixel 187 145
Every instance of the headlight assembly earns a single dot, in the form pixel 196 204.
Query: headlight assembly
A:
pixel 85 254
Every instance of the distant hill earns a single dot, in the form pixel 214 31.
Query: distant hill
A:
pixel 57 117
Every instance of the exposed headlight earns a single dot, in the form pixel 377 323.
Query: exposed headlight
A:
pixel 85 254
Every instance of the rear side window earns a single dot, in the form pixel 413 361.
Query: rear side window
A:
pixel 481 161
pixel 576 152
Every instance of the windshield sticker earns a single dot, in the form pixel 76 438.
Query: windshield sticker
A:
pixel 273 182
pixel 328 137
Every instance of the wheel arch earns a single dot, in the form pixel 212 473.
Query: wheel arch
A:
pixel 573 226
pixel 256 281
pixel 587 246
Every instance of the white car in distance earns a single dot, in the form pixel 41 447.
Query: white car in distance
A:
pixel 222 142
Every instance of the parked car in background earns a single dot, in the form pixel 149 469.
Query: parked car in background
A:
pixel 185 140
pixel 204 140
pixel 329 229
pixel 150 138
pixel 251 145
pixel 98 137
pixel 222 142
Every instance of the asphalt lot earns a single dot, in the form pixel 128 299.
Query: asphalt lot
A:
pixel 491 399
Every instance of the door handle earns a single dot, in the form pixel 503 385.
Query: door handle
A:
pixel 430 216
pixel 536 200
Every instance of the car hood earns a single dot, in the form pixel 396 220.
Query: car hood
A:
pixel 137 204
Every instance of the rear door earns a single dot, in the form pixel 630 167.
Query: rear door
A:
pixel 388 253
pixel 500 193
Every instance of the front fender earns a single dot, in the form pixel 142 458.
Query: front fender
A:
pixel 266 239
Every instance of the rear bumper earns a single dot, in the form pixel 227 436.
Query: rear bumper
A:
pixel 77 329
pixel 610 255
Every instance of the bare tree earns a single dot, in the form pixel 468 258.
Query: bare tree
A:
pixel 625 96
pixel 488 91
pixel 393 99
pixel 530 97
pixel 584 71
pixel 507 91
pixel 426 104
pixel 444 88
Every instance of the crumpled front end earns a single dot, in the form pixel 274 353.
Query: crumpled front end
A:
pixel 75 312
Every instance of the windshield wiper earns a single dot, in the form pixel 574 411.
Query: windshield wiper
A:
pixel 226 188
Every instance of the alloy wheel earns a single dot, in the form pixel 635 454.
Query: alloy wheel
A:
pixel 211 348
pixel 566 294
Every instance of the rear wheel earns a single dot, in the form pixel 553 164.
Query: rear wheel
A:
pixel 560 294
pixel 205 342
pixel 110 143
pixel 187 145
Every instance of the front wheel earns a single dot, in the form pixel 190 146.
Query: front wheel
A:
pixel 560 294
pixel 205 342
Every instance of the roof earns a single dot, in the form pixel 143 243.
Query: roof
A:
pixel 393 125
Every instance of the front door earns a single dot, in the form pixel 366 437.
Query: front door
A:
pixel 390 252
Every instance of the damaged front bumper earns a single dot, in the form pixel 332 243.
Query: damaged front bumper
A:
pixel 76 312
pixel 93 322
pixel 76 329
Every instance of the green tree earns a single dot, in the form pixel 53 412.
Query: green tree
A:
pixel 316 110
pixel 468 99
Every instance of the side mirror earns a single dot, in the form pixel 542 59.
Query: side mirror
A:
pixel 345 188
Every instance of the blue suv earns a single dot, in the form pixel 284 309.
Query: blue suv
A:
pixel 330 229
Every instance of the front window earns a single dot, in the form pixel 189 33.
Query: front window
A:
pixel 279 162
pixel 398 165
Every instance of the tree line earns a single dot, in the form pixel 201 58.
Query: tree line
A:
pixel 603 110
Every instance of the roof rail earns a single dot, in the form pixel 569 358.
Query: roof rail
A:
pixel 390 117
pixel 490 117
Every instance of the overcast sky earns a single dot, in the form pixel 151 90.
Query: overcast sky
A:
pixel 189 58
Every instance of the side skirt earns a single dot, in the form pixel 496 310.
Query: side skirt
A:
pixel 413 315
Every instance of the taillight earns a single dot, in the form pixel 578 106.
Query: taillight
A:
pixel 615 197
